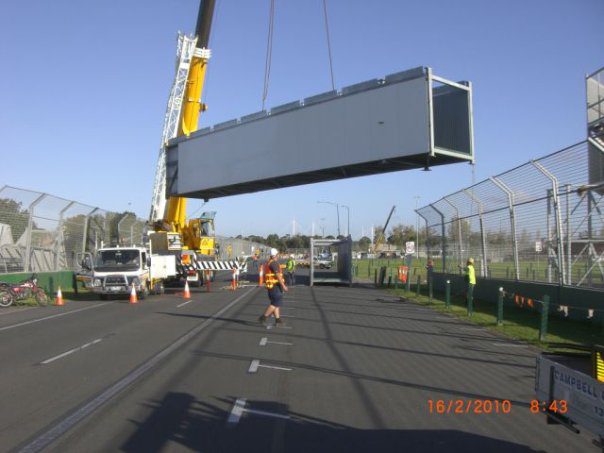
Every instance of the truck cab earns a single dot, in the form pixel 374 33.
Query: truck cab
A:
pixel 116 270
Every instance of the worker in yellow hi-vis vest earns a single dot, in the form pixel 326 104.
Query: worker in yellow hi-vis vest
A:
pixel 273 280
pixel 470 277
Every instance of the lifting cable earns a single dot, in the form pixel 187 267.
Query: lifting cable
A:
pixel 333 84
pixel 269 51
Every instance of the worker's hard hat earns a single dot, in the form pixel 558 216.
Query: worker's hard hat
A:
pixel 471 260
pixel 274 252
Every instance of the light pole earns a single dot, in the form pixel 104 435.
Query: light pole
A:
pixel 348 218
pixel 337 211
pixel 417 197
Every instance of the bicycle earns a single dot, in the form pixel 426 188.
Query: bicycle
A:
pixel 13 292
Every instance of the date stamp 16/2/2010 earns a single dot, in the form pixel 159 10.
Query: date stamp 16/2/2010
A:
pixel 491 406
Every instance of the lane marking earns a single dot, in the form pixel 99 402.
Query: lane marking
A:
pixel 256 364
pixel 275 367
pixel 253 366
pixel 264 341
pixel 237 411
pixel 84 411
pixel 184 303
pixel 71 351
pixel 266 413
pixel 51 317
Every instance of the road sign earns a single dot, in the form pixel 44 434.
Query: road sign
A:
pixel 410 248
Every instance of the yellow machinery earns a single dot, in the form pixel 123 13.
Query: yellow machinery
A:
pixel 168 217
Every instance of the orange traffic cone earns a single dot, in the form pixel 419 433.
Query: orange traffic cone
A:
pixel 233 282
pixel 261 276
pixel 187 293
pixel 133 298
pixel 59 300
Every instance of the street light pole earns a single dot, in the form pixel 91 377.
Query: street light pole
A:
pixel 417 197
pixel 337 211
pixel 348 220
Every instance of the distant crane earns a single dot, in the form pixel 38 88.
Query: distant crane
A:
pixel 382 234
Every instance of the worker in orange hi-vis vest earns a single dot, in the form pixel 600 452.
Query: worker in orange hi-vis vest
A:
pixel 273 280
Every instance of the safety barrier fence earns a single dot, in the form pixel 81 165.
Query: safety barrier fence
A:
pixel 40 232
pixel 542 221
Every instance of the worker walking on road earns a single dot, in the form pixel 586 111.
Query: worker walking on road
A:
pixel 290 268
pixel 470 277
pixel 273 280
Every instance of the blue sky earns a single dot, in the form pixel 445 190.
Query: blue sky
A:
pixel 84 85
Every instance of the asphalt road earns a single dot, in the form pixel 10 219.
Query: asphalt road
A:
pixel 352 371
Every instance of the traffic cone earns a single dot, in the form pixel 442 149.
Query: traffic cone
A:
pixel 133 298
pixel 233 282
pixel 59 300
pixel 208 281
pixel 187 293
pixel 261 276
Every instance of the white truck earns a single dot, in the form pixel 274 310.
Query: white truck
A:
pixel 570 389
pixel 115 270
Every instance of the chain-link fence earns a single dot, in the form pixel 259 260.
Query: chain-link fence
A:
pixel 541 221
pixel 43 233
pixel 233 248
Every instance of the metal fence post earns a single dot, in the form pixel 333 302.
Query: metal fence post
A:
pixel 500 307
pixel 483 268
pixel 30 223
pixel 558 217
pixel 448 294
pixel 510 195
pixel 544 317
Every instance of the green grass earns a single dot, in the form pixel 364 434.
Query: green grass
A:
pixel 520 324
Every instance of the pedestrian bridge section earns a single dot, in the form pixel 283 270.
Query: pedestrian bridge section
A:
pixel 407 120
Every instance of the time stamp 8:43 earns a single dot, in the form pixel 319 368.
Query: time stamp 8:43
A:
pixel 494 406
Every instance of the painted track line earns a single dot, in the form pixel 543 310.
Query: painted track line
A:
pixel 51 317
pixel 71 351
pixel 57 430
pixel 237 411
pixel 184 303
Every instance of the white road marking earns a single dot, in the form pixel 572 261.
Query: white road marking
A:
pixel 184 303
pixel 264 341
pixel 266 414
pixel 56 431
pixel 51 317
pixel 71 351
pixel 237 411
pixel 253 366
pixel 275 367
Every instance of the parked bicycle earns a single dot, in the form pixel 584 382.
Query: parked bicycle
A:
pixel 13 292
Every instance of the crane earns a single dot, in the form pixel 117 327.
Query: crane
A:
pixel 171 231
pixel 382 234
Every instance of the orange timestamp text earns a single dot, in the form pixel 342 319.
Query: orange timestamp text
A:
pixel 469 406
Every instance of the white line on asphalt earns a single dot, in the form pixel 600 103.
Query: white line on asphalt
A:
pixel 70 421
pixel 264 341
pixel 71 351
pixel 51 317
pixel 253 366
pixel 275 367
pixel 184 303
pixel 266 414
pixel 237 411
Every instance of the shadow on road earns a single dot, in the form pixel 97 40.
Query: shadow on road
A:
pixel 180 421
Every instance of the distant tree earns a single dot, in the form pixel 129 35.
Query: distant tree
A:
pixel 364 243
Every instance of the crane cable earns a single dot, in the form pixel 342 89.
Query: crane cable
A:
pixel 269 51
pixel 333 84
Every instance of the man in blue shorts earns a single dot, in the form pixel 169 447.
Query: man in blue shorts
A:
pixel 273 280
